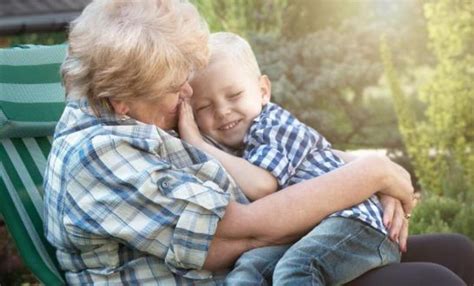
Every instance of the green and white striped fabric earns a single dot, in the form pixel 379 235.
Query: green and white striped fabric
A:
pixel 31 95
pixel 31 102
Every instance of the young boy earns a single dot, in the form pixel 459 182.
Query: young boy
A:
pixel 231 105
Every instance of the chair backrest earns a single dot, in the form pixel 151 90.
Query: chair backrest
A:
pixel 31 102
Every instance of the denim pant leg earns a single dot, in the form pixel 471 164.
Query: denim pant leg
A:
pixel 255 267
pixel 335 252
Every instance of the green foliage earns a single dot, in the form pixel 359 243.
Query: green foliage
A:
pixel 441 143
pixel 450 95
pixel 442 214
pixel 402 18
pixel 243 17
pixel 38 38
pixel 324 79
pixel 322 58
pixel 303 17
pixel 409 127
pixel 436 214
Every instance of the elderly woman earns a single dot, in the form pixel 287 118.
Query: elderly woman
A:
pixel 127 202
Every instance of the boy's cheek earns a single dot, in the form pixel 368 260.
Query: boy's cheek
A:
pixel 203 125
pixel 198 120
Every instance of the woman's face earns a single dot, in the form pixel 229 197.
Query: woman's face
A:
pixel 162 111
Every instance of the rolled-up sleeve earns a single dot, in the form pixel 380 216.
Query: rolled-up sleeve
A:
pixel 144 203
pixel 204 205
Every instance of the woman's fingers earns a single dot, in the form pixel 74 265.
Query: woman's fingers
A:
pixel 183 118
pixel 397 223
pixel 398 183
pixel 408 206
pixel 396 208
pixel 403 236
pixel 399 229
pixel 405 185
pixel 185 110
pixel 188 129
pixel 388 204
pixel 395 220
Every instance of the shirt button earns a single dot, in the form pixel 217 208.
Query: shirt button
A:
pixel 166 183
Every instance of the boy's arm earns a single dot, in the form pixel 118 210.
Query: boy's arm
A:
pixel 254 181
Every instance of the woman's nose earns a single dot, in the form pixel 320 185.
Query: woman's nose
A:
pixel 186 90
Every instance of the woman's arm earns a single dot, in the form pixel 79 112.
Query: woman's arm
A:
pixel 284 216
pixel 393 213
pixel 345 156
pixel 254 181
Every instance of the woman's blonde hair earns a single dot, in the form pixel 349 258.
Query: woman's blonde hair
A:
pixel 231 45
pixel 126 49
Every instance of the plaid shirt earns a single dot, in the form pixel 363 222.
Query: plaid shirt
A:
pixel 127 203
pixel 294 152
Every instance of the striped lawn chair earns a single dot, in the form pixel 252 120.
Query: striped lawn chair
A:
pixel 31 102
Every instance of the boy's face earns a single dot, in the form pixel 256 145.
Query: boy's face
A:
pixel 226 99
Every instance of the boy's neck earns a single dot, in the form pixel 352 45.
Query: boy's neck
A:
pixel 233 151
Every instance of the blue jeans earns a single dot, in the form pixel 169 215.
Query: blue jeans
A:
pixel 335 252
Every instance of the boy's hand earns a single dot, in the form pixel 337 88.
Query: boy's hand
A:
pixel 188 129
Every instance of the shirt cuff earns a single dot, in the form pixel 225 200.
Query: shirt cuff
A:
pixel 195 228
pixel 188 248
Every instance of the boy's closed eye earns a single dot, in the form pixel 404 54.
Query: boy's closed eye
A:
pixel 203 107
pixel 235 95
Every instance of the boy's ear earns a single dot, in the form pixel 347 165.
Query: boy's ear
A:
pixel 120 107
pixel 265 89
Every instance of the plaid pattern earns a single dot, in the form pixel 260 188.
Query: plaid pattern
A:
pixel 127 203
pixel 294 152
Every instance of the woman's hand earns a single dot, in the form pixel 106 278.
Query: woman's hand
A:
pixel 398 183
pixel 395 220
pixel 188 129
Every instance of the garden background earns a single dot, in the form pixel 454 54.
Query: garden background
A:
pixel 392 75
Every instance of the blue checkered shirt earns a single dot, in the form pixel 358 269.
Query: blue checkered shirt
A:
pixel 127 203
pixel 294 152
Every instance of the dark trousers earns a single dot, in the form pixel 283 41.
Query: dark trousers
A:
pixel 432 259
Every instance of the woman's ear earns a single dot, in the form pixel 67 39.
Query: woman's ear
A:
pixel 120 107
pixel 265 89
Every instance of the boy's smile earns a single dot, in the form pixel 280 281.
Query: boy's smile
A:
pixel 227 98
pixel 229 126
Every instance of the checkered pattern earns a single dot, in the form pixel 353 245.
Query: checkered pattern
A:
pixel 127 203
pixel 294 152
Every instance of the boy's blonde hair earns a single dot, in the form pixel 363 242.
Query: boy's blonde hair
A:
pixel 237 48
pixel 123 49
